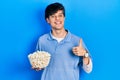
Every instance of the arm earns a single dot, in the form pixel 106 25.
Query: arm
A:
pixel 81 50
pixel 87 64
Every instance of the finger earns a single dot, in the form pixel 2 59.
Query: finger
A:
pixel 76 52
pixel 80 43
pixel 37 69
pixel 74 48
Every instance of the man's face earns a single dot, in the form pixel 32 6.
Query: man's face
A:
pixel 56 20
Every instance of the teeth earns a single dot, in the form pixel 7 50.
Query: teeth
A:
pixel 57 22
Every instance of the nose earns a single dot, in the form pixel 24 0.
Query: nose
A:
pixel 57 17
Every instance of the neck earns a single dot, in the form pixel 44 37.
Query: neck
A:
pixel 59 33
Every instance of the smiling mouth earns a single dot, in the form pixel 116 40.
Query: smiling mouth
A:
pixel 58 22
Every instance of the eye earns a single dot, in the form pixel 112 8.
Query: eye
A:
pixel 60 15
pixel 52 16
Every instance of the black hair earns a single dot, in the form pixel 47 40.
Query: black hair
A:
pixel 53 8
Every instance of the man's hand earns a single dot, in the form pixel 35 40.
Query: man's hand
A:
pixel 37 69
pixel 79 50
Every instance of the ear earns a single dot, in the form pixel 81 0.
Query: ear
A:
pixel 47 20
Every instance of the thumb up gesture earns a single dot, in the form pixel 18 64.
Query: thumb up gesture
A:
pixel 79 50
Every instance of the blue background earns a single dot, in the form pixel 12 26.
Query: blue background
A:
pixel 22 22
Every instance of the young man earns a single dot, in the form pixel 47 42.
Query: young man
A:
pixel 68 52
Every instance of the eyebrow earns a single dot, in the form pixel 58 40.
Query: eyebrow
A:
pixel 58 13
pixel 61 12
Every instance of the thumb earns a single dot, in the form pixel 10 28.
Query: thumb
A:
pixel 80 43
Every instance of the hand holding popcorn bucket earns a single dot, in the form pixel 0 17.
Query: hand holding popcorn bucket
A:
pixel 39 59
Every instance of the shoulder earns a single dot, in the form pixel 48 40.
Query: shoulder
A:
pixel 43 37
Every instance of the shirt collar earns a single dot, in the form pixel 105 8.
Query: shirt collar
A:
pixel 66 39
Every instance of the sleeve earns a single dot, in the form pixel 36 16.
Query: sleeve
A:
pixel 38 46
pixel 88 68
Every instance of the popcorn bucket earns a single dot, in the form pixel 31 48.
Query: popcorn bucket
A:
pixel 39 59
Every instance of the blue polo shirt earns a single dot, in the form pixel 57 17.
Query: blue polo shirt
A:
pixel 64 65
